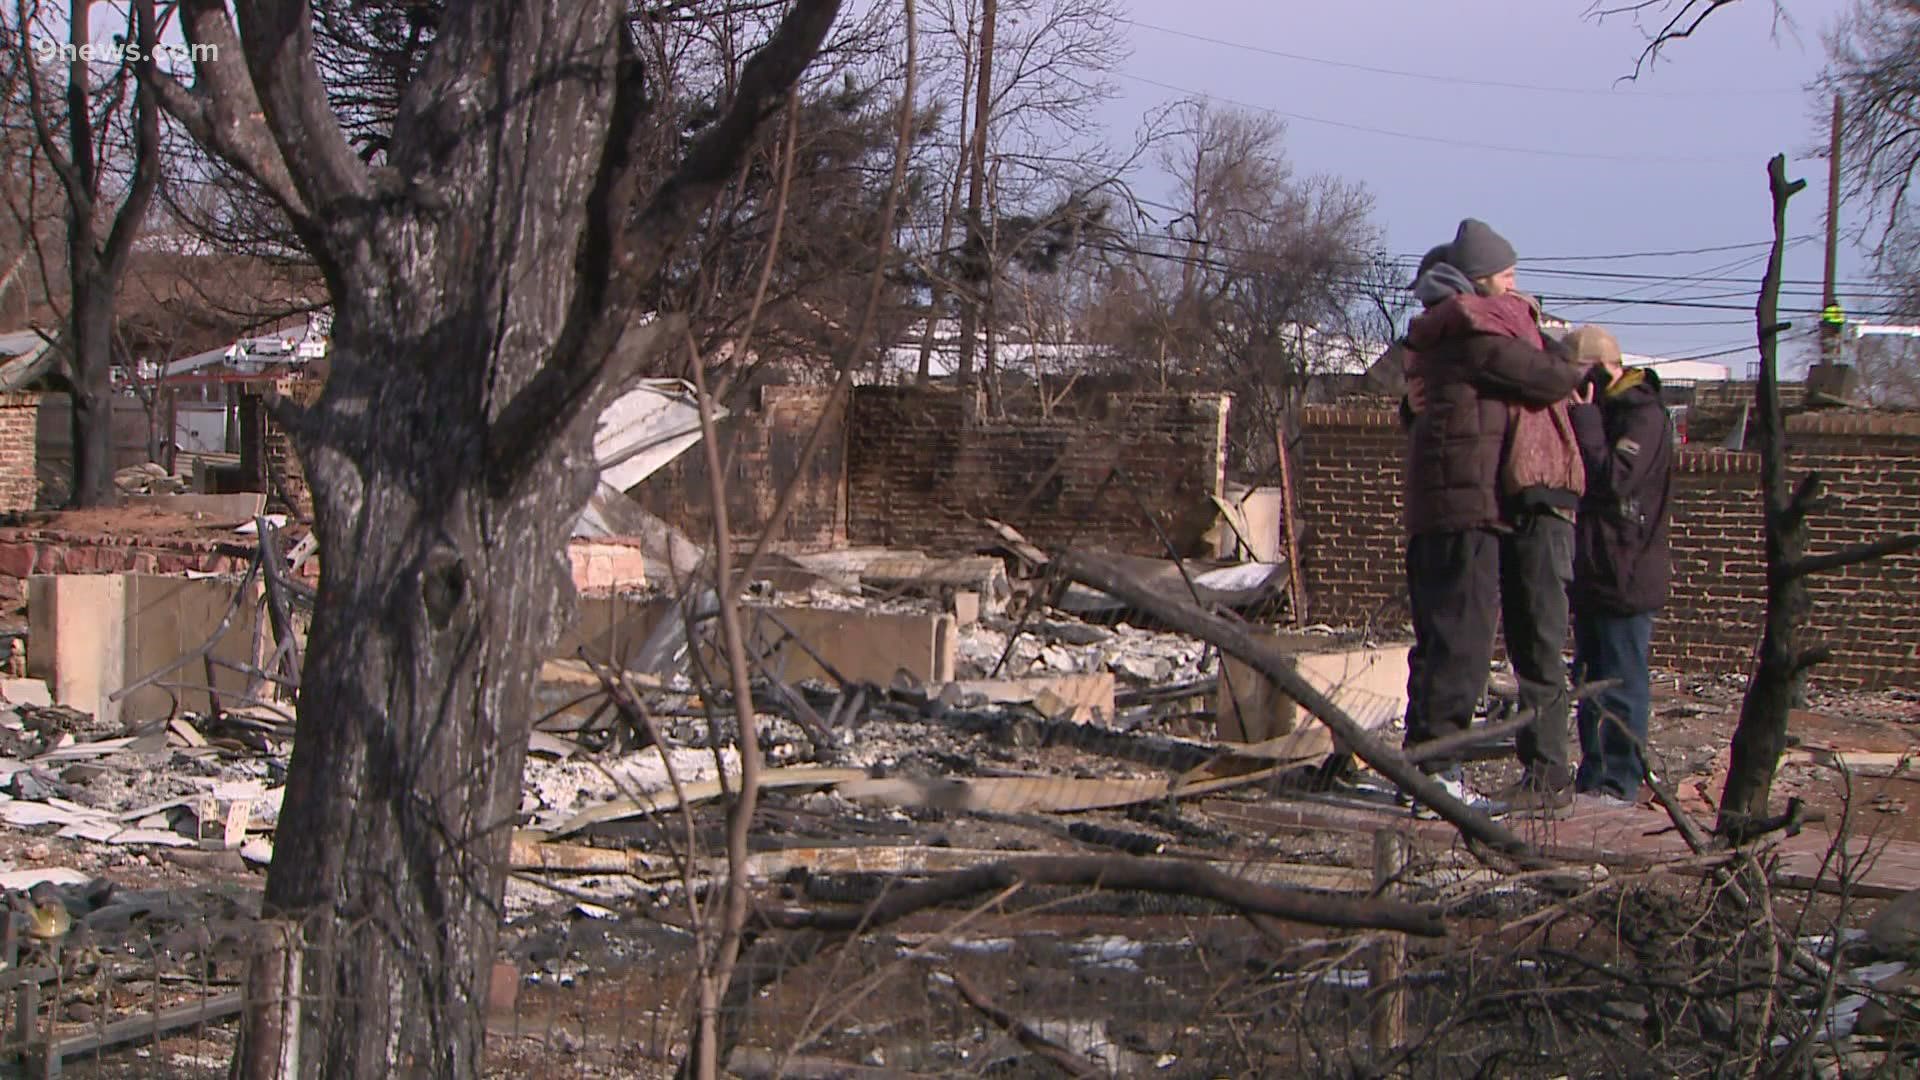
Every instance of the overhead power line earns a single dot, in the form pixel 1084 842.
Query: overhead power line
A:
pixel 1438 140
pixel 1451 80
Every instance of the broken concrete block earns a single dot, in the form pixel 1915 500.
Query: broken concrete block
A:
pixel 77 641
pixel 607 564
pixel 1077 698
pixel 93 634
pixel 863 646
pixel 966 608
pixel 222 823
pixel 1370 683
pixel 26 692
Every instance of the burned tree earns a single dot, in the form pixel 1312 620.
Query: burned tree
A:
pixel 1784 660
pixel 107 177
pixel 488 280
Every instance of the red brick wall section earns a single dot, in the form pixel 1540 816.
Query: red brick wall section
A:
pixel 1351 541
pixel 924 466
pixel 764 444
pixel 1869 614
pixel 1714 610
pixel 19 427
pixel 267 457
pixel 24 552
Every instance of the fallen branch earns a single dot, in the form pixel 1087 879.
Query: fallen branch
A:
pixel 1168 877
pixel 1232 640
pixel 1039 1045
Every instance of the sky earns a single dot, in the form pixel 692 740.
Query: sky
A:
pixel 1572 166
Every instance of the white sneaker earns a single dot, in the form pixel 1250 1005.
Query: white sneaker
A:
pixel 1454 782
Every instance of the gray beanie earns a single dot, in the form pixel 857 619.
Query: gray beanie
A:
pixel 1478 251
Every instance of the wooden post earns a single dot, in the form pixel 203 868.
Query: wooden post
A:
pixel 1389 1024
pixel 1290 521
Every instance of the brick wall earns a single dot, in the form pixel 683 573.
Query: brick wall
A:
pixel 1869 615
pixel 763 445
pixel 1349 474
pixel 1713 615
pixel 267 458
pixel 1351 541
pixel 19 456
pixel 923 466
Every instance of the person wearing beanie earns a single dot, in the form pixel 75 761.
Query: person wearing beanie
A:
pixel 1471 356
pixel 1479 252
pixel 1541 480
pixel 1621 558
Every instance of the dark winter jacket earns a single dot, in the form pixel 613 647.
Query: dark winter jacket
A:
pixel 1621 562
pixel 1457 443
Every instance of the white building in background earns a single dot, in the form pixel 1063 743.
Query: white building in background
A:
pixel 1680 371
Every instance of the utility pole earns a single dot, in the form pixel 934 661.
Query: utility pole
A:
pixel 1832 318
pixel 976 239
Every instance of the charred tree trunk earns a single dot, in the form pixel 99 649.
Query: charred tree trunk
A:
pixel 90 359
pixel 97 250
pixel 1761 736
pixel 439 598
pixel 486 287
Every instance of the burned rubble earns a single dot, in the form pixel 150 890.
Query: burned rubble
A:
pixel 1063 727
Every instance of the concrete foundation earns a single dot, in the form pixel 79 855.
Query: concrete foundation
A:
pixel 92 634
pixel 862 646
pixel 1370 683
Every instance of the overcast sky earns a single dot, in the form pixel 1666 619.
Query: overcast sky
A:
pixel 1590 168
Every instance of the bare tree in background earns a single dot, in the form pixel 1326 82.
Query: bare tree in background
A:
pixel 1889 371
pixel 1873 66
pixel 1039 176
pixel 98 128
pixel 1258 277
pixel 30 215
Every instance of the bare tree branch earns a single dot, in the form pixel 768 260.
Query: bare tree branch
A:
pixel 278 43
pixel 1683 18
pixel 131 218
pixel 222 112
pixel 1851 555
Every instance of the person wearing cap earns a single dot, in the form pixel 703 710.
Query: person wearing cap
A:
pixel 1621 562
pixel 1472 357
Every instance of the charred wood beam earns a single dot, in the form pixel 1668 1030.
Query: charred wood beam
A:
pixel 1169 877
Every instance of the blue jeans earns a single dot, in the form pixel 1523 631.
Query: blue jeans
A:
pixel 1609 646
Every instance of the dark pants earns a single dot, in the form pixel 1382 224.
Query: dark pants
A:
pixel 1536 566
pixel 1453 587
pixel 1613 647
